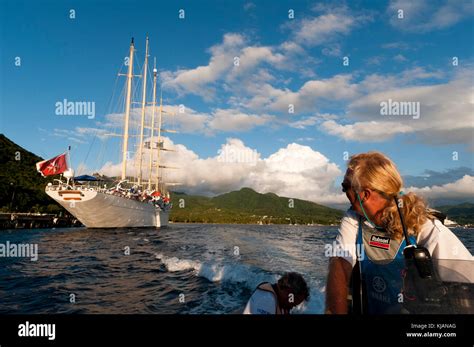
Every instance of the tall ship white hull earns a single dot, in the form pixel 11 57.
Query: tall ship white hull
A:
pixel 97 209
pixel 138 196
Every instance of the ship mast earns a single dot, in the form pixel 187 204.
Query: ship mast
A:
pixel 150 168
pixel 140 148
pixel 159 140
pixel 127 111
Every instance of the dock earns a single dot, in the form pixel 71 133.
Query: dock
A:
pixel 12 220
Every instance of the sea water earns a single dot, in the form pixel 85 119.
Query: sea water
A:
pixel 182 269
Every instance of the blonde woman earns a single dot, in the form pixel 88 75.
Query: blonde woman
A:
pixel 371 235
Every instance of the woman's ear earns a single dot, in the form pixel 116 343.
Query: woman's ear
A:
pixel 365 195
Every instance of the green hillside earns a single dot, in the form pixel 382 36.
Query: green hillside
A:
pixel 21 186
pixel 22 190
pixel 462 213
pixel 248 206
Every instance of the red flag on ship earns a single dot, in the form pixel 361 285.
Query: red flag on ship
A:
pixel 52 166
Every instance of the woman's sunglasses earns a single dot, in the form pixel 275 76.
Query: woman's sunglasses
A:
pixel 345 186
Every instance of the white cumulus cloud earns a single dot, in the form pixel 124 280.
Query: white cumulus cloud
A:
pixel 445 113
pixel 295 171
pixel 332 23
pixel 229 60
pixel 425 16
pixel 461 189
pixel 187 120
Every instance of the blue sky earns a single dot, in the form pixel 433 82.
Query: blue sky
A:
pixel 282 61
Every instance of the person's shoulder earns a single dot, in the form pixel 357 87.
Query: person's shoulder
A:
pixel 262 293
pixel 430 230
pixel 433 225
pixel 441 241
pixel 347 231
pixel 350 219
pixel 262 302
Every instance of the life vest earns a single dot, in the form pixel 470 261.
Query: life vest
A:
pixel 268 287
pixel 381 270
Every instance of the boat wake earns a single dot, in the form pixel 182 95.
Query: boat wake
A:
pixel 232 274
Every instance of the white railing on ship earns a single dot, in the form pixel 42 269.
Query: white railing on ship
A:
pixel 112 191
pixel 73 187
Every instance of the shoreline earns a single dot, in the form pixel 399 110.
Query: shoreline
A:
pixel 28 220
pixel 305 225
pixel 31 220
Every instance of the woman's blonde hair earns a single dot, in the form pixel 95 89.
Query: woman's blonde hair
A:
pixel 375 171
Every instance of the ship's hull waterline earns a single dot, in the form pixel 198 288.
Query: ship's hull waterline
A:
pixel 95 209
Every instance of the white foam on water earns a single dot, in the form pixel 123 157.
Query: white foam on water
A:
pixel 245 275
pixel 315 305
pixel 174 264
pixel 216 272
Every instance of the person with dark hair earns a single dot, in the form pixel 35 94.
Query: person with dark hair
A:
pixel 279 298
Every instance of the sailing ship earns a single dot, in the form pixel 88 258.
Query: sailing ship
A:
pixel 132 201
